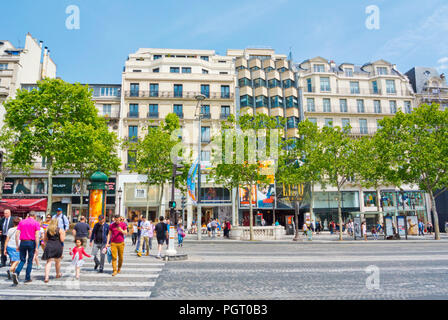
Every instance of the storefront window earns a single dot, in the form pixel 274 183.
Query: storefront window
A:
pixel 388 199
pixel 370 199
pixel 322 200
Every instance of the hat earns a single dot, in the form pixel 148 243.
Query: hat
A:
pixel 59 209
pixel 101 217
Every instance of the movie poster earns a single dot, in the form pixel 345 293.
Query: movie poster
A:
pixel 22 186
pixel 40 186
pixel 95 206
pixel 389 226
pixel 357 227
pixel 412 225
pixel 244 196
pixel 266 196
pixel 401 226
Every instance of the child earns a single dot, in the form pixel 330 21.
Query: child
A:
pixel 180 235
pixel 78 253
pixel 374 233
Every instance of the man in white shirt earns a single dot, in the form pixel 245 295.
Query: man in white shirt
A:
pixel 146 228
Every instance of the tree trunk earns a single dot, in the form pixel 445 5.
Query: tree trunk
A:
pixel 312 203
pixel 236 221
pixel 147 201
pixel 160 201
pixel 436 216
pixel 296 220
pixel 2 179
pixel 340 214
pixel 81 197
pixel 50 186
pixel 251 218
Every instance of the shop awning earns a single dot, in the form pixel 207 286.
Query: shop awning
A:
pixel 24 205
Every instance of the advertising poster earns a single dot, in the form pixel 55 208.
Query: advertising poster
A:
pixel 412 225
pixel 266 196
pixel 76 187
pixel 8 186
pixel 22 186
pixel 191 181
pixel 244 196
pixel 401 226
pixel 357 227
pixel 389 226
pixel 40 186
pixel 95 206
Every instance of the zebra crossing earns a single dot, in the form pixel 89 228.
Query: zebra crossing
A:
pixel 137 277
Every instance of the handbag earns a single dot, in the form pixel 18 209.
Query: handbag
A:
pixel 109 255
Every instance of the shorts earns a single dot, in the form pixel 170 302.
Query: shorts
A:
pixel 161 241
pixel 13 254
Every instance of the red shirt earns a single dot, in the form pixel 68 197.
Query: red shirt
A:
pixel 81 252
pixel 116 236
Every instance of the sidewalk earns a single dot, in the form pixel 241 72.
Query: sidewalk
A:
pixel 323 237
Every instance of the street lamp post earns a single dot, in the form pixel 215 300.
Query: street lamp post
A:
pixel 199 99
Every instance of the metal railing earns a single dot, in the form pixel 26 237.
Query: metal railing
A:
pixel 173 94
pixel 153 115
pixel 224 116
pixel 133 114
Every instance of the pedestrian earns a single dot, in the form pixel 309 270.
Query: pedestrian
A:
pixel 145 237
pixel 78 252
pixel 63 222
pixel 44 226
pixel 139 232
pixel 227 227
pixel 214 225
pixel 429 226
pixel 134 231
pixel 98 241
pixel 150 234
pixel 421 226
pixel 82 230
pixel 6 223
pixel 115 240
pixel 209 228
pixel 364 230
pixel 28 233
pixel 53 238
pixel 318 227
pixel 180 235
pixel 263 222
pixel 305 229
pixel 11 247
pixel 331 227
pixel 167 221
pixel 374 233
pixel 161 234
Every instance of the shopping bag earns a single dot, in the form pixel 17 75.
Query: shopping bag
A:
pixel 109 255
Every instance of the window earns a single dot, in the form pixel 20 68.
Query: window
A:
pixel 140 193
pixel 374 87
pixel 174 69
pixel 291 102
pixel 186 70
pixel 153 111
pixel 205 58
pixel 133 133
pixel 327 105
pixel 310 105
pixel 276 102
pixel 345 123
pixel 205 155
pixel 157 56
pixel 259 83
pixel 178 91
pixel 205 134
pixel 291 123
pixel 325 84
pixel 288 83
pixel 363 126
pixel 274 83
pixel 378 125
pixel 360 104
pixel 205 90
pixel 3 66
pixel 205 111
pixel 109 92
pixel 255 68
pixel 225 92
pixel 178 109
pixel 154 90
pixel 390 86
pixel 329 122
pixel 377 106
pixel 261 101
pixel 269 69
pixel 309 85
pixel 281 70
pixel 131 158
pixel 204 71
pixel 348 72
pixel 319 68
pixel 343 105
pixel 407 107
pixel 156 70
pixel 225 111
pixel 133 111
pixel 381 70
pixel 223 72
pixel 393 107
pixel 136 70
pixel 134 89
pixel 246 101
pixel 107 109
pixel 354 87
pixel 244 82
pixel 313 120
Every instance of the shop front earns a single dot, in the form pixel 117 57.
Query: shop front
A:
pixel 136 200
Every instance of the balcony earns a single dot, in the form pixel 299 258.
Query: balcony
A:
pixel 6 72
pixel 111 115
pixel 224 116
pixel 206 116
pixel 154 115
pixel 180 115
pixel 132 114
pixel 350 91
pixel 361 131
pixel 131 139
pixel 4 91
pixel 177 95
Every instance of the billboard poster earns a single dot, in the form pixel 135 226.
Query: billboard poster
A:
pixel 401 226
pixel 244 196
pixel 389 226
pixel 40 186
pixel 357 227
pixel 266 196
pixel 412 225
pixel 8 186
pixel 22 186
pixel 95 206
pixel 191 181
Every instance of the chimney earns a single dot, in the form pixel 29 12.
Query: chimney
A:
pixel 45 51
pixel 332 64
pixel 40 44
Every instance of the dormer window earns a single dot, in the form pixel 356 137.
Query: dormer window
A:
pixel 319 68
pixel 381 70
pixel 348 72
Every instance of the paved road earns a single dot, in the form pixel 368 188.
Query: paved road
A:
pixel 137 277
pixel 307 271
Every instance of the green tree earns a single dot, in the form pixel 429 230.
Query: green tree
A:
pixel 417 143
pixel 38 120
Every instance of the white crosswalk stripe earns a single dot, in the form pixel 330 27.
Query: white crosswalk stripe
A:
pixel 137 277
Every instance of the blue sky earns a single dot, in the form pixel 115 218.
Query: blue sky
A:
pixel 412 32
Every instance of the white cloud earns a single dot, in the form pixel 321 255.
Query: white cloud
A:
pixel 442 60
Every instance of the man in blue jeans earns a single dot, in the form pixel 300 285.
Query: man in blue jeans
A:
pixel 28 233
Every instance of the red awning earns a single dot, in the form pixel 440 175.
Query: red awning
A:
pixel 25 205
